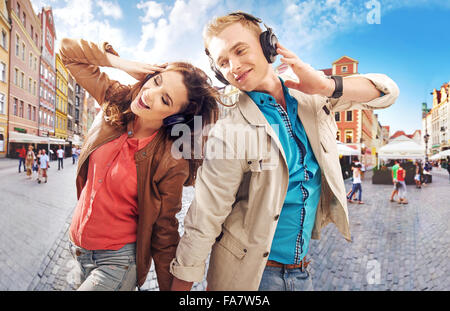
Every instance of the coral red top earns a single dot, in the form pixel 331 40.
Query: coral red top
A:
pixel 106 214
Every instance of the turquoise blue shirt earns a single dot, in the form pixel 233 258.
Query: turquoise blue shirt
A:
pixel 293 233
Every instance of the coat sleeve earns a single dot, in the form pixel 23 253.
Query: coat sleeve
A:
pixel 165 236
pixel 383 84
pixel 216 186
pixel 83 59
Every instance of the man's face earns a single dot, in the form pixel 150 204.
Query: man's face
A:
pixel 238 55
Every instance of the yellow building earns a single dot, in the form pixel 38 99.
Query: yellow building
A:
pixel 5 31
pixel 62 78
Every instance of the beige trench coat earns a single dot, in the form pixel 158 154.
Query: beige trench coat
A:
pixel 241 187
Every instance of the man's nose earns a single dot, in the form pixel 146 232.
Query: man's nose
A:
pixel 235 66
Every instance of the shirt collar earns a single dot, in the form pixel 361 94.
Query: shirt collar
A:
pixel 261 98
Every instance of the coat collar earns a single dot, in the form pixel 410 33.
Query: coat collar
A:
pixel 306 113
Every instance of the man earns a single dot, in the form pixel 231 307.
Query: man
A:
pixel 60 154
pixel 394 180
pixel 22 154
pixel 254 209
pixel 43 167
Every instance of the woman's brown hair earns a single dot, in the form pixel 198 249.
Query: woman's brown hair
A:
pixel 203 100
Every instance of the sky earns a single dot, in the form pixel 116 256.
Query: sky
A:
pixel 408 40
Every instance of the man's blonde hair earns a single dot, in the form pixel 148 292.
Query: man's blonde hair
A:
pixel 218 24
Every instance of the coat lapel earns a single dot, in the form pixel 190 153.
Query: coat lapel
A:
pixel 254 116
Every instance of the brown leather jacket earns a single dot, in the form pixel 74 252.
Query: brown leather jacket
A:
pixel 160 177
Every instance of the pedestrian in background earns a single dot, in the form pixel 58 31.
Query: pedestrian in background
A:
pixel 448 169
pixel 418 174
pixel 394 179
pixel 356 184
pixel 43 167
pixel 60 153
pixel 74 154
pixel 22 154
pixel 29 161
pixel 401 185
pixel 37 164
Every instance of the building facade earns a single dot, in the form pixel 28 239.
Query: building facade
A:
pixel 436 121
pixel 4 77
pixel 78 127
pixel 62 78
pixel 47 94
pixel 24 58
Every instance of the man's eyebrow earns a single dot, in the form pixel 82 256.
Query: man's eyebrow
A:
pixel 235 46
pixel 167 94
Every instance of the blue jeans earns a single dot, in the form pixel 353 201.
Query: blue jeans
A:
pixel 22 160
pixel 280 279
pixel 356 187
pixel 106 270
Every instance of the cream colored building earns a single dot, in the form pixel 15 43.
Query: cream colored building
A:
pixel 4 78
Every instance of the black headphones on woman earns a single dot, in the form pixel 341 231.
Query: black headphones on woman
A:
pixel 174 119
pixel 267 39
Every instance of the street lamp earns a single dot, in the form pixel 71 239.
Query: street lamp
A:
pixel 425 138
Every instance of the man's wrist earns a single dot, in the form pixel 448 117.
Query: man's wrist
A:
pixel 331 86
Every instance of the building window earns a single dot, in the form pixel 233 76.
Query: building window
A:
pixel 4 40
pixel 23 51
pixel 22 79
pixel 15 106
pixel 24 20
pixel 16 76
pixel 34 113
pixel 2 103
pixel 35 64
pixel 30 81
pixel 31 60
pixel 2 71
pixel 337 116
pixel 17 45
pixel 18 9
pixel 21 109
pixel 349 115
pixel 344 69
pixel 34 88
pixel 348 136
pixel 29 112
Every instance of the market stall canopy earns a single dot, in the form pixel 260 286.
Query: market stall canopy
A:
pixel 16 137
pixel 401 147
pixel 345 150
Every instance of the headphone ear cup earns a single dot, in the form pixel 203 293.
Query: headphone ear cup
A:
pixel 174 119
pixel 269 42
pixel 220 76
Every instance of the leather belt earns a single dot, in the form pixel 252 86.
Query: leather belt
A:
pixel 302 265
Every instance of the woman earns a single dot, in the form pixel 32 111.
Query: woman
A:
pixel 129 182
pixel 29 161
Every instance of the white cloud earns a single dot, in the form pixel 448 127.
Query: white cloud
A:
pixel 111 9
pixel 152 10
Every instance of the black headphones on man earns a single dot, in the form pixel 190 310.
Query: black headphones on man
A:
pixel 267 39
pixel 173 119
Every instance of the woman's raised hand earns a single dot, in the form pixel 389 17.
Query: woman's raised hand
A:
pixel 135 69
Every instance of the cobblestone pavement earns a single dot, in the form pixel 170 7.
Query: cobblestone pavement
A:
pixel 394 247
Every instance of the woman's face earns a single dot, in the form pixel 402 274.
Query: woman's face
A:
pixel 161 96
